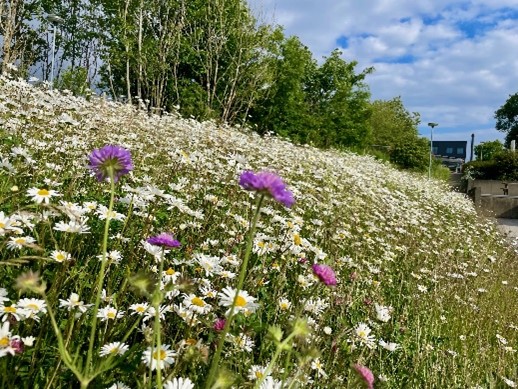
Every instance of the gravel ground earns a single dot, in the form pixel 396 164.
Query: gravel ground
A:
pixel 509 226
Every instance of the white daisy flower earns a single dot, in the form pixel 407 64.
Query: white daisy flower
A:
pixel 60 256
pixel 382 312
pixel 109 313
pixel 13 310
pixel 42 195
pixel 139 308
pixel 114 348
pixel 362 332
pixel 179 383
pixel 5 340
pixel 256 372
pixel 73 302
pixel 244 302
pixel 19 242
pixel 388 345
pixel 196 304
pixel 32 307
pixel 159 358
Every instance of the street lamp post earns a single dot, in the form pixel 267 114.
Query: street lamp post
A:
pixel 55 21
pixel 432 125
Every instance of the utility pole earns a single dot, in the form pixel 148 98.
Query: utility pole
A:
pixel 55 21
pixel 432 125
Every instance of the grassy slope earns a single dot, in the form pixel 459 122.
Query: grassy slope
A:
pixel 394 239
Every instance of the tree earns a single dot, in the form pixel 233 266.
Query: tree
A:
pixel 413 154
pixel 487 150
pixel 17 36
pixel 283 108
pixel 339 97
pixel 507 118
pixel 391 123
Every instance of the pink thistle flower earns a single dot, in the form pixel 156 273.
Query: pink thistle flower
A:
pixel 325 274
pixel 365 375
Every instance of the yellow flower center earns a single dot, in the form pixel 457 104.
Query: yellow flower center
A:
pixel 362 334
pixel 190 341
pixel 111 315
pixel 4 342
pixel 198 302
pixel 140 309
pixel 19 241
pixel 159 355
pixel 10 309
pixel 240 302
pixel 170 272
pixel 60 257
pixel 284 305
pixel 297 240
pixel 43 192
pixel 114 350
pixel 258 374
pixel 2 225
pixel 33 307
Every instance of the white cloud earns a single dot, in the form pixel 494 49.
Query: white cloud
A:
pixel 460 57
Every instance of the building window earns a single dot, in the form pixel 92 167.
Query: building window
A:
pixel 460 150
pixel 435 150
pixel 449 150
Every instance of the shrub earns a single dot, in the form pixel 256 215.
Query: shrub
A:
pixel 507 165
pixel 504 166
pixel 413 155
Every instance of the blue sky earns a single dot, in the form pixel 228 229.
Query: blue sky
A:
pixel 454 62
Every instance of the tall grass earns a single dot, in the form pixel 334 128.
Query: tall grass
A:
pixel 426 293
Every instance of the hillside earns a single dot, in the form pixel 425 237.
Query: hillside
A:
pixel 426 292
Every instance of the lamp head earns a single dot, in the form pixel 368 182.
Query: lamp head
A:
pixel 433 124
pixel 54 19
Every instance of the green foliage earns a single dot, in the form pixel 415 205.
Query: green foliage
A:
pixel 487 150
pixel 327 105
pixel 391 123
pixel 507 165
pixel 507 118
pixel 503 166
pixel 74 80
pixel 412 155
pixel 440 172
pixel 483 170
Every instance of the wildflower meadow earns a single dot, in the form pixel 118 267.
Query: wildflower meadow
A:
pixel 146 251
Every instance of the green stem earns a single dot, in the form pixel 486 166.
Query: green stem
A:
pixel 242 273
pixel 100 278
pixel 157 299
pixel 280 347
pixel 65 356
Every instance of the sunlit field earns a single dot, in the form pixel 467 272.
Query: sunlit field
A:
pixel 184 272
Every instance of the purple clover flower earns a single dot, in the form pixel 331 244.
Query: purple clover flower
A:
pixel 164 240
pixel 219 324
pixel 267 182
pixel 365 375
pixel 110 160
pixel 325 274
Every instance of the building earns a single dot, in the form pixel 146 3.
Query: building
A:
pixel 452 153
pixel 450 148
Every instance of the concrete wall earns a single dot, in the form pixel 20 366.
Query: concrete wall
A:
pixel 489 198
pixel 493 187
pixel 500 206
